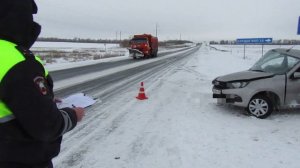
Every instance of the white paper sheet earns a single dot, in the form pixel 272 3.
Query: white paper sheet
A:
pixel 76 100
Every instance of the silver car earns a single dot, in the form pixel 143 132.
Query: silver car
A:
pixel 272 83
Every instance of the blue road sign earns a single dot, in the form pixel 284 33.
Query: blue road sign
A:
pixel 299 26
pixel 254 41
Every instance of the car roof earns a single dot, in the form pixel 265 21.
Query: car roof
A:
pixel 291 52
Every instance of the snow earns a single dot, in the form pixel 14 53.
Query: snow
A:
pixel 65 45
pixel 61 64
pixel 181 126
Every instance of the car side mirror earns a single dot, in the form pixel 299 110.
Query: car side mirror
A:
pixel 296 75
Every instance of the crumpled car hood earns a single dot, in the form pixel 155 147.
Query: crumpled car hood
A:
pixel 245 76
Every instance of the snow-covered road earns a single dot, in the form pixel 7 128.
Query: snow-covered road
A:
pixel 181 126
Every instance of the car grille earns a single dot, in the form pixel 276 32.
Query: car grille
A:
pixel 219 85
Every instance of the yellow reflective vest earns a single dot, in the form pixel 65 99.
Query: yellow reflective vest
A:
pixel 9 57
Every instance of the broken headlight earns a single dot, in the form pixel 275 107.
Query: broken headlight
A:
pixel 235 85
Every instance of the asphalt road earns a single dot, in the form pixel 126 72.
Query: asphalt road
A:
pixel 131 76
pixel 68 73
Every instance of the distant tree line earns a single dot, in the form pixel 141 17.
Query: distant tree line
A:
pixel 275 42
pixel 173 42
pixel 123 43
pixel 77 40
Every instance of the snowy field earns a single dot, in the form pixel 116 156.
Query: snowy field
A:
pixel 65 52
pixel 67 45
pixel 181 126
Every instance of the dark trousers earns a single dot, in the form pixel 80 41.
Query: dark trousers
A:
pixel 18 165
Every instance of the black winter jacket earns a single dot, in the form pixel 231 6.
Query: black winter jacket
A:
pixel 34 136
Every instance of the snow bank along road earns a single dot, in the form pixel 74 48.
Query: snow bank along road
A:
pixel 91 77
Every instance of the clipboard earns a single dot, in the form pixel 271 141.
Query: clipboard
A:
pixel 76 100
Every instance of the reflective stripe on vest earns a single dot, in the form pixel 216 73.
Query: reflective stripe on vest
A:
pixel 9 57
pixel 41 61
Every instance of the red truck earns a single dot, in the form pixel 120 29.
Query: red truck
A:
pixel 144 45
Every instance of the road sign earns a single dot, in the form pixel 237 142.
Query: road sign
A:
pixel 254 41
pixel 299 26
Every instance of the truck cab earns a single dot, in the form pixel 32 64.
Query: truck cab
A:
pixel 143 46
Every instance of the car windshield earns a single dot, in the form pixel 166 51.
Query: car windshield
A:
pixel 139 41
pixel 275 62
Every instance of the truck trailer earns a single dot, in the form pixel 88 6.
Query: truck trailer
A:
pixel 143 46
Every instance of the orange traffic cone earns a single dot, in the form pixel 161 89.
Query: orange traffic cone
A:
pixel 142 95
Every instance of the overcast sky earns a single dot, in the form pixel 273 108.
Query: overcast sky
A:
pixel 196 20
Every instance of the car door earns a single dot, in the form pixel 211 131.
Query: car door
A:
pixel 293 89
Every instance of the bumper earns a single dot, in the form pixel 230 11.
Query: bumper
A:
pixel 135 53
pixel 233 96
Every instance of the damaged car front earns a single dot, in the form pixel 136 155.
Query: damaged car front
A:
pixel 265 86
pixel 237 88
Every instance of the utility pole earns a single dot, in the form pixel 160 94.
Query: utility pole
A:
pixel 156 29
pixel 117 38
pixel 120 36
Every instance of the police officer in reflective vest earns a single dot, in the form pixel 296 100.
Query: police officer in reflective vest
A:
pixel 31 125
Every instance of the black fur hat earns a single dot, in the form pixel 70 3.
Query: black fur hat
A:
pixel 16 22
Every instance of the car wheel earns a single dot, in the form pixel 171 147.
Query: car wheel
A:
pixel 260 106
